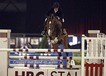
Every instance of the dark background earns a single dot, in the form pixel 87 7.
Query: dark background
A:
pixel 27 16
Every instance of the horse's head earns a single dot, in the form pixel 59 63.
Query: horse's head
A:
pixel 53 24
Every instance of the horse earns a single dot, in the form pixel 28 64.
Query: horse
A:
pixel 53 27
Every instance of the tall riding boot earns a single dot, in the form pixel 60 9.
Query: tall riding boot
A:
pixel 44 31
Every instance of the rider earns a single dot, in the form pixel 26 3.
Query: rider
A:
pixel 56 11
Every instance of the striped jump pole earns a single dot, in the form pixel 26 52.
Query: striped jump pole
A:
pixel 4 59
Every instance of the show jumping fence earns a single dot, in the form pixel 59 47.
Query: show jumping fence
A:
pixel 93 60
pixel 93 56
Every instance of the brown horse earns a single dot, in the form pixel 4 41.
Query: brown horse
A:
pixel 54 32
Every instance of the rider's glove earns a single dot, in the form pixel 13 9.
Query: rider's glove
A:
pixel 45 19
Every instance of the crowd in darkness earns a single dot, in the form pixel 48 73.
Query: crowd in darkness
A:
pixel 79 15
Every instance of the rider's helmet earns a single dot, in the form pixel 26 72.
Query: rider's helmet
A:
pixel 56 5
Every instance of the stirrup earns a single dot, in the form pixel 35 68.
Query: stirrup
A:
pixel 43 33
